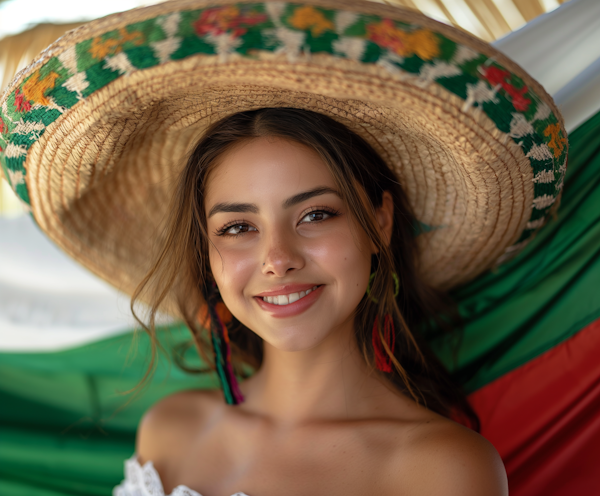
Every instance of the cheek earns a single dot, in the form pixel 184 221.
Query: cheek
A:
pixel 231 268
pixel 347 259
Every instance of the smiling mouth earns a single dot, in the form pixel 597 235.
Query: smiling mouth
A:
pixel 289 298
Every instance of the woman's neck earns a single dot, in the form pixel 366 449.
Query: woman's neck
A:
pixel 327 382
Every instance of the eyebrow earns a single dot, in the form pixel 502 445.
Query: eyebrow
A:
pixel 290 202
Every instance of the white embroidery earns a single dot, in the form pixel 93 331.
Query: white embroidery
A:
pixel 29 127
pixel 543 177
pixel 77 84
pixel 15 151
pixel 224 43
pixel 353 48
pixel 563 168
pixel 519 126
pixel 145 481
pixel 51 105
pixel 542 112
pixel 540 152
pixel 164 48
pixel 343 20
pixel 290 42
pixel 543 201
pixel 5 111
pixel 534 224
pixel 69 59
pixel 429 73
pixel 464 54
pixel 479 93
pixel 15 178
pixel 120 63
pixel 275 11
pixel 170 24
pixel 389 61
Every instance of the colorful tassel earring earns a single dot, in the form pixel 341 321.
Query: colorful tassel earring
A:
pixel 219 318
pixel 383 361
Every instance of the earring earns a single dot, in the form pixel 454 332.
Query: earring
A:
pixel 383 361
pixel 219 317
pixel 396 286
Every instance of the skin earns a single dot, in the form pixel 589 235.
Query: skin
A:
pixel 316 420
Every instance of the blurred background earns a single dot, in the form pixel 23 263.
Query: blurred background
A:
pixel 70 359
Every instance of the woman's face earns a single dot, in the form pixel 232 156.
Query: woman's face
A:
pixel 289 261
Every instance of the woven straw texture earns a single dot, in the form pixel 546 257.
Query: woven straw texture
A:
pixel 94 133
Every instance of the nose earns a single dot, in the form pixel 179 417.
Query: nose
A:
pixel 282 255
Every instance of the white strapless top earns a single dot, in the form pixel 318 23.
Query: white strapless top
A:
pixel 145 481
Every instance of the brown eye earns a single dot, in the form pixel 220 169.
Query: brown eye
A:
pixel 236 229
pixel 239 229
pixel 316 216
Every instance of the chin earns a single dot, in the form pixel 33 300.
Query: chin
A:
pixel 293 340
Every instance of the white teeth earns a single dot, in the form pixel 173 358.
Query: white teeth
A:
pixel 287 299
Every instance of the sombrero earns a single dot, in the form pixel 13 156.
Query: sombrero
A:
pixel 95 131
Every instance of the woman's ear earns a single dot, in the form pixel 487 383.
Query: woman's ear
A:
pixel 385 216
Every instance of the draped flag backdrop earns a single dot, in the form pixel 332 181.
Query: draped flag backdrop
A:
pixel 528 358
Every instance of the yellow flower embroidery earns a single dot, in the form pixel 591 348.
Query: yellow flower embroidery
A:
pixel 100 49
pixel 35 88
pixel 421 42
pixel 309 17
pixel 557 142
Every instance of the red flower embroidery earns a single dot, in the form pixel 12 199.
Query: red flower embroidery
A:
pixel 220 20
pixel 21 103
pixel 497 76
pixel 3 127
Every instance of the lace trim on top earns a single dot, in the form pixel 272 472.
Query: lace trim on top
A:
pixel 145 481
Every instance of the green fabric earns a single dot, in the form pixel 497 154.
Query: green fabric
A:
pixel 65 429
pixel 548 292
pixel 65 425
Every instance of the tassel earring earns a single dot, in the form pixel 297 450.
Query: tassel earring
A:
pixel 219 318
pixel 383 361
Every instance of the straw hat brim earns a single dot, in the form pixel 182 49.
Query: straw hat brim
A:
pixel 95 132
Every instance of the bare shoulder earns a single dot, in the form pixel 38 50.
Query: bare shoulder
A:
pixel 168 427
pixel 445 458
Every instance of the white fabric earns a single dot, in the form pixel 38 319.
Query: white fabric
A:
pixel 145 481
pixel 561 50
pixel 47 301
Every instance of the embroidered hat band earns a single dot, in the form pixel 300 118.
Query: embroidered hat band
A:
pixel 93 133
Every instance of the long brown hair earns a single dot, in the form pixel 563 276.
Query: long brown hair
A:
pixel 181 277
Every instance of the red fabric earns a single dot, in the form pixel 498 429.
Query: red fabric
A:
pixel 544 419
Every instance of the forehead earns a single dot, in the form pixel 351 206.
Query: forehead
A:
pixel 266 168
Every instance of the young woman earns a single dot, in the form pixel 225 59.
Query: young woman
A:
pixel 286 217
pixel 350 162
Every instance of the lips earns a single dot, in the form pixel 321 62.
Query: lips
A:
pixel 270 302
pixel 286 299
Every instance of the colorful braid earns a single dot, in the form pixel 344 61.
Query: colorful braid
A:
pixel 222 351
